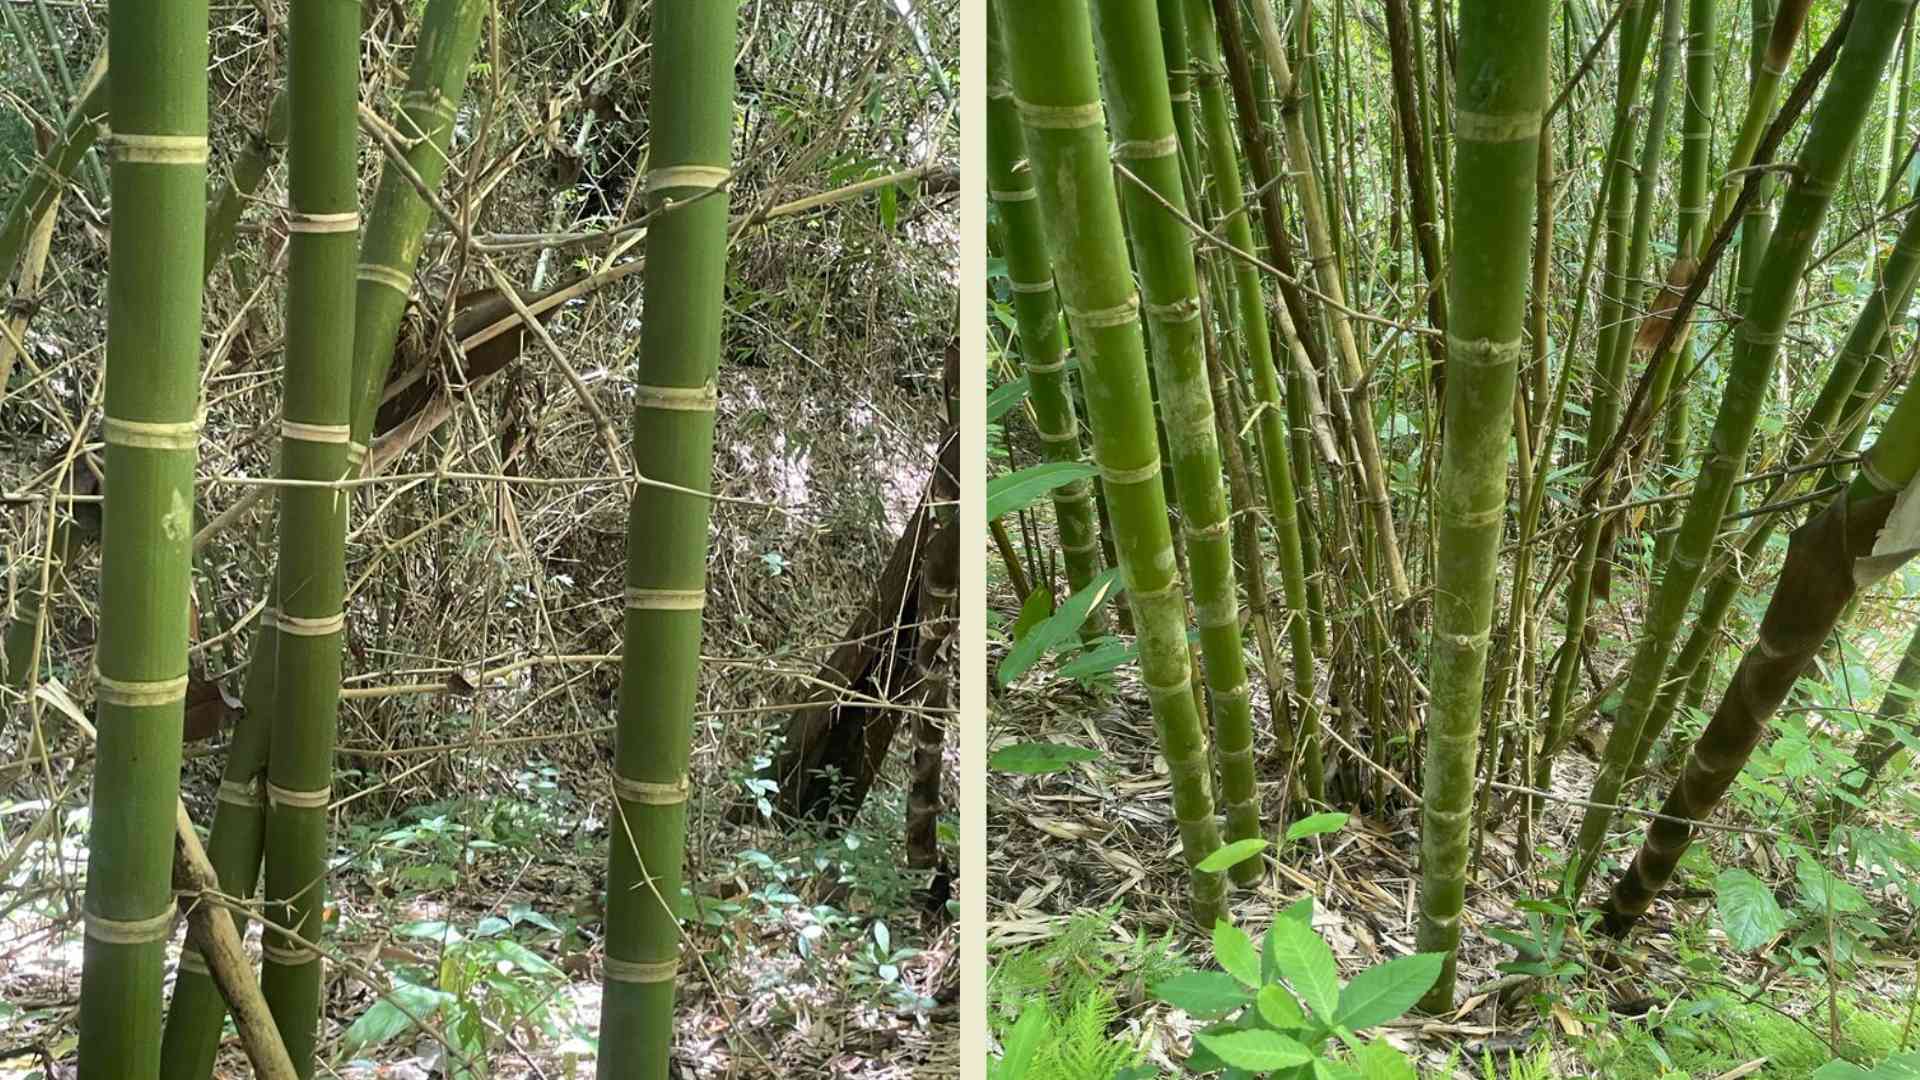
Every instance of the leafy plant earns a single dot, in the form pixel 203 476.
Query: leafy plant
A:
pixel 1280 1010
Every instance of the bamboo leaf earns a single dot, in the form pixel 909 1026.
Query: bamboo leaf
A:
pixel 1006 397
pixel 1057 628
pixel 1230 855
pixel 1316 825
pixel 1036 758
pixel 1018 490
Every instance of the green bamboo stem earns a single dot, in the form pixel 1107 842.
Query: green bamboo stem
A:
pixel 1326 262
pixel 1050 54
pixel 1498 117
pixel 1636 27
pixel 1276 468
pixel 1831 558
pixel 36 195
pixel 152 434
pixel 259 155
pixel 397 228
pixel 1883 742
pixel 1831 139
pixel 1835 404
pixel 1146 147
pixel 680 341
pixel 323 66
pixel 1036 311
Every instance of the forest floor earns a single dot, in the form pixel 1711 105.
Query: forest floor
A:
pixel 1085 862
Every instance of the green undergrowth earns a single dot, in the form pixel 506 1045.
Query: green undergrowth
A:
pixel 1710 1036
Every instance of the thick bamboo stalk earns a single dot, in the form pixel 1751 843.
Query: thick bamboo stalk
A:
pixel 310 573
pixel 1147 150
pixel 692 113
pixel 1055 85
pixel 152 430
pixel 939 587
pixel 397 227
pixel 1497 128
pixel 1831 139
pixel 1832 557
pixel 1036 310
pixel 1276 468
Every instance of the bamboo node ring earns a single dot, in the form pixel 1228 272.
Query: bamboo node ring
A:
pixel 652 792
pixel 700 398
pixel 134 694
pixel 140 149
pixel 398 280
pixel 705 177
pixel 131 931
pixel 1149 471
pixel 300 626
pixel 1117 315
pixel 343 222
pixel 1031 287
pixel 1015 195
pixel 1139 149
pixel 299 800
pixel 1061 117
pixel 153 434
pixel 288 957
pixel 639 599
pixel 240 793
pixel 316 433
pixel 642 971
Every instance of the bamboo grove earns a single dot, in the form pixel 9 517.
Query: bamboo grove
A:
pixel 356 268
pixel 1446 374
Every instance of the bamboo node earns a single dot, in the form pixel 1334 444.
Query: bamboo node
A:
pixel 1159 693
pixel 1031 287
pixel 1215 531
pixel 1070 435
pixel 1492 515
pixel 153 435
pixel 704 177
pixel 430 100
pixel 652 792
pixel 140 149
pixel 398 280
pixel 999 91
pixel 1016 195
pixel 1147 149
pixel 240 793
pixel 1877 478
pixel 642 971
pixel 344 222
pixel 1179 311
pixel 1496 127
pixel 700 398
pixel 639 599
pixel 133 694
pixel 1117 315
pixel 288 957
pixel 131 931
pixel 300 626
pixel 1081 549
pixel 1149 471
pixel 1752 334
pixel 316 433
pixel 1484 352
pixel 299 800
pixel 942 593
pixel 1060 117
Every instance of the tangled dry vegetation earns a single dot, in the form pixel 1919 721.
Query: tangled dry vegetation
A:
pixel 485 562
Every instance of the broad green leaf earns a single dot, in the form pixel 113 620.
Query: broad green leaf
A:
pixel 1300 911
pixel 1021 1044
pixel 1018 490
pixel 1841 1069
pixel 1748 912
pixel 1236 954
pixel 1818 886
pixel 1324 1069
pixel 1308 964
pixel 1035 758
pixel 525 959
pixel 1278 1008
pixel 1203 994
pixel 1256 1050
pixel 405 1007
pixel 1058 627
pixel 1316 825
pixel 1384 992
pixel 1109 655
pixel 1039 605
pixel 1231 855
pixel 1006 397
